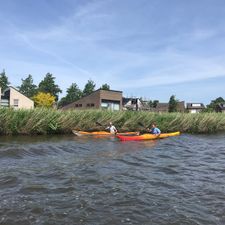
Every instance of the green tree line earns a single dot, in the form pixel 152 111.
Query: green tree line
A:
pixel 48 86
pixel 49 90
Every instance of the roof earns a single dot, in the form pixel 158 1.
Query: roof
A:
pixel 221 106
pixel 126 100
pixel 195 106
pixel 165 106
pixel 11 87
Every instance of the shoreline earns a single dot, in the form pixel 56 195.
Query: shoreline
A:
pixel 43 121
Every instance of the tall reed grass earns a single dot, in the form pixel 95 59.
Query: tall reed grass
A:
pixel 50 121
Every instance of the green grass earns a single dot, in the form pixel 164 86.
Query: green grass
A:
pixel 50 121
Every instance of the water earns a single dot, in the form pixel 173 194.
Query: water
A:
pixel 96 181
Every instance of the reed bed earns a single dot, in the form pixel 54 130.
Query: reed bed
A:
pixel 50 121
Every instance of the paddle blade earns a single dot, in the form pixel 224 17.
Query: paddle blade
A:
pixel 141 124
pixel 99 124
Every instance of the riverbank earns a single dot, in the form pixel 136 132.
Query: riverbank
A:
pixel 50 121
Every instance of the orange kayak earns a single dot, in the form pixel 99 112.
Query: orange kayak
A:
pixel 81 133
pixel 146 136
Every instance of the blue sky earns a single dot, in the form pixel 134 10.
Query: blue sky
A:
pixel 148 48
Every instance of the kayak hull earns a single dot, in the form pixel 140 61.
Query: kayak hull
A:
pixel 104 133
pixel 147 136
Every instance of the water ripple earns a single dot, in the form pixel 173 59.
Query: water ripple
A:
pixel 72 180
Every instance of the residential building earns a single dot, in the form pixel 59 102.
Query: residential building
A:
pixel 221 107
pixel 195 107
pixel 164 107
pixel 134 104
pixel 13 98
pixel 99 99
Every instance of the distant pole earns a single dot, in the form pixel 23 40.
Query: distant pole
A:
pixel 136 104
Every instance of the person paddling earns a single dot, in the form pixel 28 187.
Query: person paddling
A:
pixel 112 129
pixel 154 130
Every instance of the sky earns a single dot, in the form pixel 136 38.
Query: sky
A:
pixel 145 48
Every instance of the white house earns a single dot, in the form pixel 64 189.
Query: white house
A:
pixel 13 98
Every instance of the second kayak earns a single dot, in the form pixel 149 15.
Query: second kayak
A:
pixel 147 136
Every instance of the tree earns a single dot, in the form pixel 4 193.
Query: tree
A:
pixel 213 106
pixel 173 103
pixel 105 87
pixel 89 87
pixel 27 87
pixel 42 99
pixel 73 94
pixel 153 104
pixel 3 80
pixel 47 85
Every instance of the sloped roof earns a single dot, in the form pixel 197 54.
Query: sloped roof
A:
pixel 195 106
pixel 221 106
pixel 165 106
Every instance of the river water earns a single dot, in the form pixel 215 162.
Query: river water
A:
pixel 97 181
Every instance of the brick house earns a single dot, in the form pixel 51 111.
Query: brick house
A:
pixel 164 107
pixel 99 99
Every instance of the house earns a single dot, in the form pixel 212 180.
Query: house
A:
pixel 195 107
pixel 134 104
pixel 99 99
pixel 220 107
pixel 11 97
pixel 164 107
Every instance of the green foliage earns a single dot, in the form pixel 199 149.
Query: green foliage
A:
pixel 47 85
pixel 89 87
pixel 27 87
pixel 173 103
pixel 3 80
pixel 105 87
pixel 48 121
pixel 153 104
pixel 73 94
pixel 214 104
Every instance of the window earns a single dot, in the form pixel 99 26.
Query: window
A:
pixel 76 105
pixel 196 105
pixel 104 105
pixel 80 105
pixel 110 105
pixel 116 107
pixel 92 104
pixel 134 101
pixel 15 102
pixel 4 102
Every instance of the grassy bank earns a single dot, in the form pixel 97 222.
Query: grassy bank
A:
pixel 50 121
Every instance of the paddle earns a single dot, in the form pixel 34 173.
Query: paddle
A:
pixel 99 124
pixel 142 125
pixel 145 127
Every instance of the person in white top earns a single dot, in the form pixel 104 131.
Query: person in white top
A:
pixel 112 129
